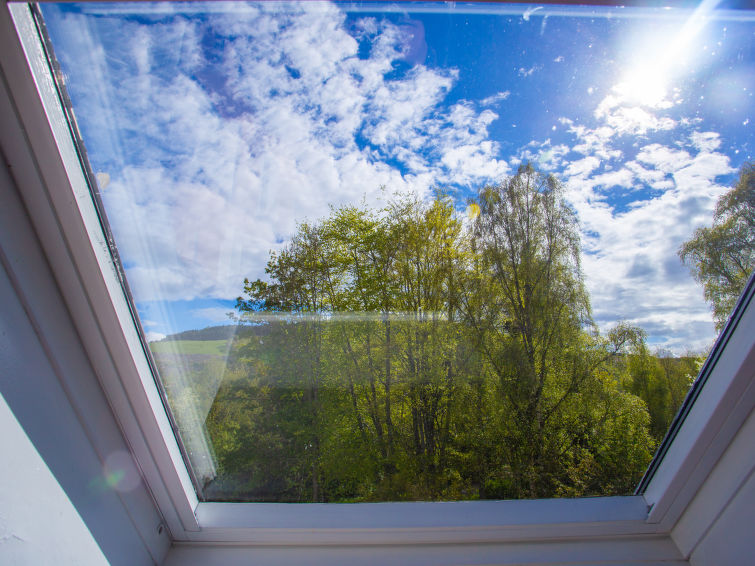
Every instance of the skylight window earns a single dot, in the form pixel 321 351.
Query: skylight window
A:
pixel 424 252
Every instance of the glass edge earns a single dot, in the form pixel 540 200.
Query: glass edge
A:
pixel 609 9
pixel 694 392
pixel 78 142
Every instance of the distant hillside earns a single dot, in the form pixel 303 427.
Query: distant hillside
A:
pixel 187 348
pixel 223 332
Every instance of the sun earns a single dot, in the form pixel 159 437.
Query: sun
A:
pixel 663 59
pixel 643 86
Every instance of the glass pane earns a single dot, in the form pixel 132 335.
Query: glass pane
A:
pixel 424 251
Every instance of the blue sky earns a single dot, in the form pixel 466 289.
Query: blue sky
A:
pixel 214 129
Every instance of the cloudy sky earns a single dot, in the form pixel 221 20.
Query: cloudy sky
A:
pixel 214 129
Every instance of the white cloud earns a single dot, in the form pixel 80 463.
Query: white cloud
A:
pixel 523 72
pixel 650 177
pixel 215 161
pixel 154 336
pixel 546 156
pixel 706 141
pixel 633 120
pixel 582 167
pixel 662 158
pixel 636 212
pixel 491 100
pixel 631 264
pixel 594 141
pixel 621 178
pixel 625 116
pixel 213 314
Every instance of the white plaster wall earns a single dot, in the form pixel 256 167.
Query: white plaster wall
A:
pixel 38 523
pixel 718 527
pixel 731 539
pixel 50 389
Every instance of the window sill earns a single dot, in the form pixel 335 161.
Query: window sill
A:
pixel 421 523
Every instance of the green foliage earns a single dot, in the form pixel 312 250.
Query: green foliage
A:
pixel 406 356
pixel 722 257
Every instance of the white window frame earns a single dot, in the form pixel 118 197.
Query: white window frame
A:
pixel 57 196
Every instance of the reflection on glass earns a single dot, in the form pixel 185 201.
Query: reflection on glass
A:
pixel 418 252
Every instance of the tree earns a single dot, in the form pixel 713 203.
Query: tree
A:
pixel 722 257
pixel 374 292
pixel 400 353
pixel 527 301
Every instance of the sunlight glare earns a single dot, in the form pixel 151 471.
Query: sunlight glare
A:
pixel 646 83
pixel 643 86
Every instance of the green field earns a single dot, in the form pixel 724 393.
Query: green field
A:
pixel 211 347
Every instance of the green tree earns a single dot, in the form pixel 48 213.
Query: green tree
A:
pixel 722 257
pixel 401 354
pixel 527 302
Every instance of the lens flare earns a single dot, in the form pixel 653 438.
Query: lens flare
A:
pixel 473 211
